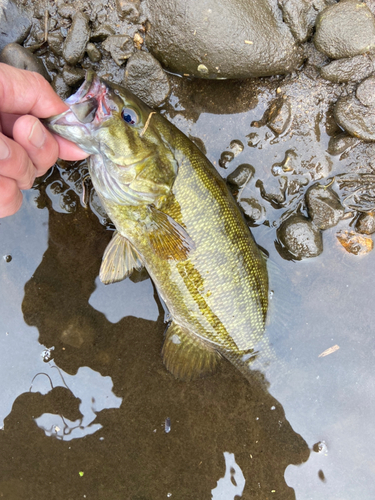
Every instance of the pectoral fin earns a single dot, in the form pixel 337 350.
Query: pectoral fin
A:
pixel 119 260
pixel 187 356
pixel 168 239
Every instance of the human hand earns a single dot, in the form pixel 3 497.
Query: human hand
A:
pixel 27 148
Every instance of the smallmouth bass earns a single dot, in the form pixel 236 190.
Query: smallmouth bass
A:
pixel 174 215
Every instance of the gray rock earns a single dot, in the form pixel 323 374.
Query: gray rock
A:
pixel 120 47
pixel 17 56
pixel 60 87
pixel 324 206
pixel 253 209
pixel 241 176
pixel 352 69
pixel 76 40
pixel 101 33
pixel 354 117
pixel 366 223
pixel 345 29
pixel 300 16
pixel 56 42
pixel 66 11
pixel 300 237
pixel 340 143
pixel 72 75
pixel 14 24
pixel 220 38
pixel 128 10
pixel 279 115
pixel 93 52
pixel 145 77
pixel 366 92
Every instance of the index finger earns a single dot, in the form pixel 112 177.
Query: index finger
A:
pixel 25 92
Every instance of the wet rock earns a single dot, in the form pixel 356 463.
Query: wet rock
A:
pixel 340 143
pixel 300 237
pixel 345 29
pixel 279 115
pixel 66 11
pixel 290 164
pixel 101 33
pixel 253 209
pixel 128 10
pixel 324 206
pixel 76 40
pixel 225 158
pixel 120 47
pixel 300 16
pixel 72 76
pixel 366 92
pixel 352 69
pixel 358 120
pixel 56 42
pixel 145 77
pixel 93 52
pixel 366 223
pixel 355 243
pixel 14 24
pixel 220 39
pixel 17 56
pixel 60 86
pixel 241 176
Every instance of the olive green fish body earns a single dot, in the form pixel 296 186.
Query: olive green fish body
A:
pixel 174 215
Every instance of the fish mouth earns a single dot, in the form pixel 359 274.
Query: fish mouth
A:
pixel 87 110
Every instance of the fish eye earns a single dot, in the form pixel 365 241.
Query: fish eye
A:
pixel 129 116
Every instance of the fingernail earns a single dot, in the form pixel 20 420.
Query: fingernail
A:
pixel 37 135
pixel 4 150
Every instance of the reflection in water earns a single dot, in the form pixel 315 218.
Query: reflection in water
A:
pixel 233 483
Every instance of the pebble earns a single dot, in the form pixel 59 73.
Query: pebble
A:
pixel 345 29
pixel 72 75
pixel 352 69
pixel 324 206
pixel 128 10
pixel 355 243
pixel 253 209
pixel 279 115
pixel 14 25
pixel 300 16
pixel 76 40
pixel 354 117
pixel 60 86
pixel 101 33
pixel 120 47
pixel 366 92
pixel 366 223
pixel 55 42
pixel 241 176
pixel 17 56
pixel 300 237
pixel 145 77
pixel 339 143
pixel 93 52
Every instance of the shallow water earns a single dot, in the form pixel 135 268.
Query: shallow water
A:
pixel 87 409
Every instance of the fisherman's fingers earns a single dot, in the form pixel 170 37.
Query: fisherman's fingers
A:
pixel 10 196
pixel 15 163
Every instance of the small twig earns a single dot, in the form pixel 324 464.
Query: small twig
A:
pixel 147 123
pixel 46 24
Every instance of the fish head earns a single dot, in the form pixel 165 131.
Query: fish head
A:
pixel 108 120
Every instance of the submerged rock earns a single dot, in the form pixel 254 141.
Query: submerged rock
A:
pixel 352 69
pixel 324 206
pixel 14 24
pixel 300 237
pixel 145 77
pixel 241 176
pixel 279 115
pixel 356 118
pixel 253 209
pixel 345 29
pixel 76 40
pixel 340 143
pixel 17 56
pixel 366 223
pixel 220 38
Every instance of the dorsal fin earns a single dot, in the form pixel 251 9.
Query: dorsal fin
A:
pixel 187 356
pixel 119 260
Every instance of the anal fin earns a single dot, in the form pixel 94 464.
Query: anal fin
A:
pixel 119 260
pixel 187 356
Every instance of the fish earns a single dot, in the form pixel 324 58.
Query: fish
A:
pixel 174 215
